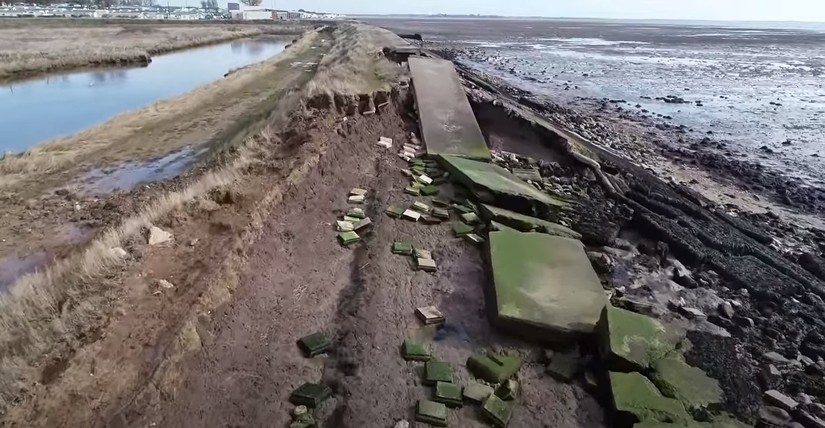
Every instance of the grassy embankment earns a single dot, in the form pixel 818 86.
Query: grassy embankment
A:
pixel 32 47
pixel 48 311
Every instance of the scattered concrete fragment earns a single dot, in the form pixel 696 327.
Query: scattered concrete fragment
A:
pixel 356 199
pixel 544 286
pixel 345 226
pixel 437 371
pixel 427 265
pixel 494 368
pixel 364 224
pixel 310 394
pixel 497 411
pixel 421 207
pixel 780 400
pixel 358 192
pixel 441 213
pixel 411 215
pixel 415 351
pixel 508 390
pixel 448 394
pixel 158 236
pixel 395 212
pixel 477 392
pixel 470 218
pixel 430 315
pixel 314 344
pixel 525 223
pixel 690 385
pixel 162 283
pixel 462 229
pixel 403 248
pixel 473 238
pixel 430 412
pixel 356 212
pixel 410 190
pixel 632 342
pixel 636 399
pixel 348 238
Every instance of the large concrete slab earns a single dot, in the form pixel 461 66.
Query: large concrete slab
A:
pixel 544 286
pixel 525 223
pixel 448 125
pixel 493 184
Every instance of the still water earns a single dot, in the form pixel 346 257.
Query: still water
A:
pixel 36 111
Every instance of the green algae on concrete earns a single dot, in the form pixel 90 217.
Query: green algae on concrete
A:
pixel 494 368
pixel 430 412
pixel 525 223
pixel 448 393
pixel 477 392
pixel 632 342
pixel 497 411
pixel 491 183
pixel 636 398
pixel 544 286
pixel 437 371
pixel 719 421
pixel 690 385
pixel 414 351
pixel 461 229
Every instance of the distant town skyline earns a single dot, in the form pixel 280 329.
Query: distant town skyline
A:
pixel 726 10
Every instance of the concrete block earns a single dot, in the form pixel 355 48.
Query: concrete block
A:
pixel 315 344
pixel 344 226
pixel 448 393
pixel 424 179
pixel 497 411
pixel 395 212
pixel 477 392
pixel 494 368
pixel 437 371
pixel 508 390
pixel 422 253
pixel 415 351
pixel 358 192
pixel 356 213
pixel 632 342
pixel 352 220
pixel 356 199
pixel 363 225
pixel 310 394
pixel 427 265
pixel 778 399
pixel 411 215
pixel 636 399
pixel 348 238
pixel 470 218
pixel 525 223
pixel 403 248
pixel 430 190
pixel 429 315
pixel 410 190
pixel 461 229
pixel 430 219
pixel 474 239
pixel 421 207
pixel 430 412
pixel 441 213
pixel 690 385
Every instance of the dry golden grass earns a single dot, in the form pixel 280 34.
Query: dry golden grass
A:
pixel 34 50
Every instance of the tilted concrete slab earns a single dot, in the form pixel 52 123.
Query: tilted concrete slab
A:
pixel 526 223
pixel 448 124
pixel 544 286
pixel 495 185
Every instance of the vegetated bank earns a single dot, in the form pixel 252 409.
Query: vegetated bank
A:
pixel 29 47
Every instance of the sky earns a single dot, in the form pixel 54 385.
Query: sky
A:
pixel 736 10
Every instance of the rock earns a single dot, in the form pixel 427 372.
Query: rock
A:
pixel 119 253
pixel 808 420
pixel 780 400
pixel 773 416
pixel 690 385
pixel 508 390
pixel 162 283
pixel 635 398
pixel 402 424
pixel 299 411
pixel 726 310
pixel 602 263
pixel 158 236
pixel 314 344
pixel 743 322
pixel 632 342
pixel 692 313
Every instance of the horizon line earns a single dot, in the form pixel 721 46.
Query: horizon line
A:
pixel 447 15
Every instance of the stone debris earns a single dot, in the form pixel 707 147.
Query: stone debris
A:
pixel 352 220
pixel 508 390
pixel 430 412
pixel 402 424
pixel 437 371
pixel 427 265
pixel 421 207
pixel 403 248
pixel 494 368
pixel 385 142
pixel 448 393
pixel 158 236
pixel 162 283
pixel 358 192
pixel 395 212
pixel 441 213
pixel 634 394
pixel 310 394
pixel 356 213
pixel 411 190
pixel 726 310
pixel 477 392
pixel 423 254
pixel 411 215
pixel 424 179
pixel 314 344
pixel 430 220
pixel 415 351
pixel 461 229
pixel 497 411
pixel 356 199
pixel 345 226
pixel 430 190
pixel 430 315
pixel 780 400
pixel 470 218
pixel 473 238
pixel 692 313
pixel 364 224
pixel 348 238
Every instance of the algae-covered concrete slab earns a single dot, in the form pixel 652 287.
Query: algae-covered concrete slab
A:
pixel 526 223
pixel 690 385
pixel 448 124
pixel 493 184
pixel 633 342
pixel 544 285
pixel 635 397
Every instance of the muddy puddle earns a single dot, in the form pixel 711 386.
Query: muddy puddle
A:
pixel 127 176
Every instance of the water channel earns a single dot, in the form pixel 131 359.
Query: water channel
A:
pixel 36 111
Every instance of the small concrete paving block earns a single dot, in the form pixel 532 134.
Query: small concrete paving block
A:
pixel 403 248
pixel 310 394
pixel 410 190
pixel 345 226
pixel 508 390
pixel 430 219
pixel 352 220
pixel 423 254
pixel 356 213
pixel 470 218
pixel 347 238
pixel 425 179
pixel 395 212
pixel 437 371
pixel 461 229
pixel 477 392
pixel 421 207
pixel 462 208
pixel 415 351
pixel 314 344
pixel 780 400
pixel 427 265
pixel 412 215
pixel 494 368
pixel 441 203
pixel 356 199
pixel 473 238
pixel 430 315
pixel 430 412
pixel 497 411
pixel 364 224
pixel 357 192
pixel 430 190
pixel 441 213
pixel 448 393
